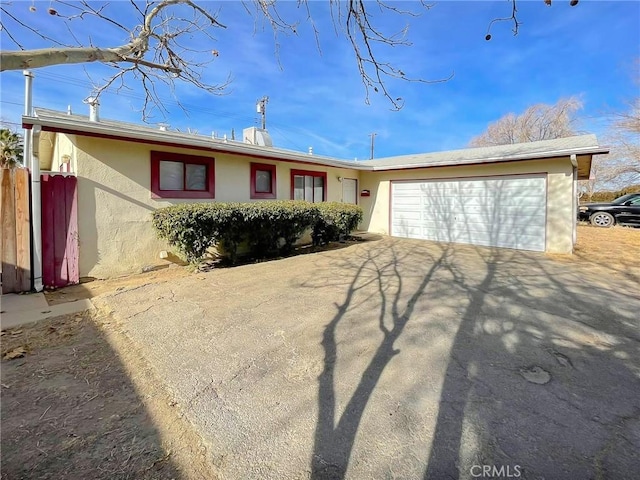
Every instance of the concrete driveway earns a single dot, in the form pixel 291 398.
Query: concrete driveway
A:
pixel 402 359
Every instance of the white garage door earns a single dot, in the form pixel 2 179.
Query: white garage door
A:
pixel 505 212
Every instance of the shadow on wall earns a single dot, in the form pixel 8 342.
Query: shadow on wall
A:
pixel 531 362
pixel 114 194
pixel 485 213
pixel 368 204
pixel 91 192
pixel 70 410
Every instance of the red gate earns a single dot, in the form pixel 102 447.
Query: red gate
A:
pixel 59 230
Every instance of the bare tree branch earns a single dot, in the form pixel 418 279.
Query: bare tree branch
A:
pixel 374 72
pixel 512 18
pixel 28 28
pixel 160 39
pixel 538 122
pixel 622 166
pixel 41 58
pixel 154 45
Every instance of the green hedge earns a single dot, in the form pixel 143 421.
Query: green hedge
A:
pixel 335 220
pixel 268 228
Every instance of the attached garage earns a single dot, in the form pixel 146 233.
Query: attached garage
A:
pixel 506 211
pixel 519 196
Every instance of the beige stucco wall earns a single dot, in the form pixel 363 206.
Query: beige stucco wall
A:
pixel 43 148
pixel 559 172
pixel 114 201
pixel 52 147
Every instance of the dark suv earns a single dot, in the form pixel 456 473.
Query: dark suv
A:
pixel 623 210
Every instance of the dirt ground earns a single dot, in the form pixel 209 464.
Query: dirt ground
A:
pixel 83 403
pixel 616 248
pixel 89 288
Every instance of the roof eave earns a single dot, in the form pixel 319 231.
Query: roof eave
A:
pixel 171 139
pixel 165 138
pixel 511 158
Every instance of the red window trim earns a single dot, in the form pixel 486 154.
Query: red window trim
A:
pixel 255 167
pixel 313 174
pixel 209 162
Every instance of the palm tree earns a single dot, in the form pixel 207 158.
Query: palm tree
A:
pixel 10 148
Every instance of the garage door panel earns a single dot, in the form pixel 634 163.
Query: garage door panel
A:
pixel 529 198
pixel 436 235
pixel 506 212
pixel 443 218
pixel 473 228
pixel 481 228
pixel 473 204
pixel 503 218
pixel 409 215
pixel 487 185
pixel 407 231
pixel 486 211
pixel 405 192
pixel 471 211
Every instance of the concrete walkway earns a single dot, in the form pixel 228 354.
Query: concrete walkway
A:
pixel 17 309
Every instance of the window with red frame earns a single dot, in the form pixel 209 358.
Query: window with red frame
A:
pixel 263 180
pixel 174 175
pixel 308 185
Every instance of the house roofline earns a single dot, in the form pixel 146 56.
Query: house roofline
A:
pixel 179 140
pixel 100 130
pixel 504 159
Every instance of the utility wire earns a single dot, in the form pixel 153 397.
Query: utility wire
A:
pixel 78 82
pixel 137 96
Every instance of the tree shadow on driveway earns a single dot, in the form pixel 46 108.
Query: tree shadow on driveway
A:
pixel 542 376
pixel 334 441
pixel 491 324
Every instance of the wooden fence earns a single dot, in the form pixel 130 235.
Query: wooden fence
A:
pixel 15 241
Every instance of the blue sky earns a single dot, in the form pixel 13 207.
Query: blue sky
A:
pixel 317 99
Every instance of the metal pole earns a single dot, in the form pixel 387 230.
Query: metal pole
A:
pixel 373 136
pixel 574 213
pixel 28 106
pixel 33 164
pixel 262 103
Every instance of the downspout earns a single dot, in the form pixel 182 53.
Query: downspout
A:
pixel 34 165
pixel 574 162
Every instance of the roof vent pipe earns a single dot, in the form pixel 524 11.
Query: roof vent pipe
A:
pixel 69 112
pixel 310 150
pixel 94 111
pixel 28 92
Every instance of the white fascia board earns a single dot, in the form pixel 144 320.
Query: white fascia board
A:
pixel 510 158
pixel 215 145
pixel 232 147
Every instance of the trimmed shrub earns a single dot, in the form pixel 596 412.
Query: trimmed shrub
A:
pixel 335 220
pixel 193 228
pixel 272 228
pixel 267 228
